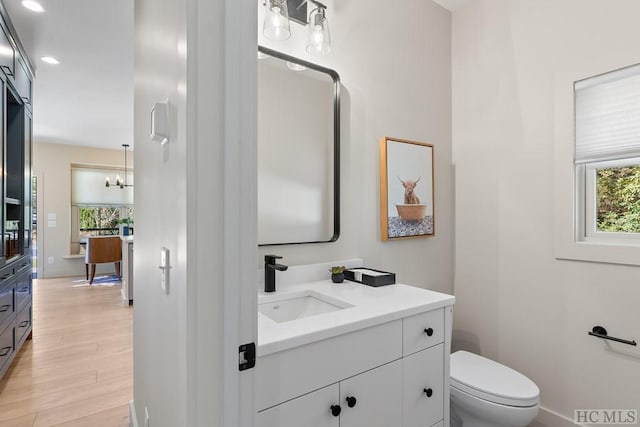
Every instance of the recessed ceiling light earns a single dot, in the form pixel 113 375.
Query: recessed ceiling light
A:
pixel 50 60
pixel 33 5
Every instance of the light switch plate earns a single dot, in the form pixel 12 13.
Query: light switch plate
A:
pixel 165 268
pixel 160 122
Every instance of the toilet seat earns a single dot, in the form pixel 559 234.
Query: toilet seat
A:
pixel 491 381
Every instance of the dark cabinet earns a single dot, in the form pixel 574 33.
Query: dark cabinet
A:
pixel 16 95
pixel 6 346
pixel 7 298
pixel 23 81
pixel 7 53
pixel 23 324
pixel 23 287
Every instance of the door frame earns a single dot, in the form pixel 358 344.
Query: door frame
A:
pixel 221 195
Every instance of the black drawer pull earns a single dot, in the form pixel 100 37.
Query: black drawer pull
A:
pixel 335 410
pixel 23 324
pixel 6 276
pixel 428 331
pixel 4 351
pixel 351 401
pixel 25 289
pixel 428 392
pixel 5 307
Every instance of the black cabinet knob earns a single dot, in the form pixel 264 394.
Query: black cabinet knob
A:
pixel 428 331
pixel 335 410
pixel 428 392
pixel 351 401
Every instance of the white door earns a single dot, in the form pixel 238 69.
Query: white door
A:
pixel 195 196
pixel 374 398
pixel 423 390
pixel 317 409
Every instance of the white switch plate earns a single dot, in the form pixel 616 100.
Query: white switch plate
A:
pixel 165 268
pixel 160 122
pixel 50 260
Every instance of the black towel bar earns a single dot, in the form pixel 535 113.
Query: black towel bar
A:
pixel 600 332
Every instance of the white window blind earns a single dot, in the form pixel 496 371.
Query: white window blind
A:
pixel 88 189
pixel 608 116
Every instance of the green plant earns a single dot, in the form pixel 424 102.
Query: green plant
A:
pixel 127 222
pixel 337 269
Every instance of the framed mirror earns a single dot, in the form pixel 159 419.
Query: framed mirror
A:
pixel 298 151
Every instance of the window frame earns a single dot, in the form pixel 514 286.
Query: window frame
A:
pixel 567 245
pixel 587 203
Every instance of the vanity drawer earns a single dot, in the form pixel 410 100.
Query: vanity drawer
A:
pixel 422 331
pixel 6 346
pixel 7 300
pixel 284 375
pixel 23 323
pixel 423 392
pixel 23 290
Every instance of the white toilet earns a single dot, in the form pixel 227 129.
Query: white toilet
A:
pixel 485 393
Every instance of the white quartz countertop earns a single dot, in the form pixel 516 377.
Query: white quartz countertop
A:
pixel 371 307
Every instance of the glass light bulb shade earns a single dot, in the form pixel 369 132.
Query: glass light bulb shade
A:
pixel 319 38
pixel 276 20
pixel 295 67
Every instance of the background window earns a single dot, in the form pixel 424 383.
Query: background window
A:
pixel 98 221
pixel 96 210
pixel 607 155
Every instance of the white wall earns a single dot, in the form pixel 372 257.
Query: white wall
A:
pixel 160 330
pixel 195 196
pixel 52 167
pixel 514 301
pixel 395 68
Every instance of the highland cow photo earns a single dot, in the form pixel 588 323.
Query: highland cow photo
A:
pixel 406 188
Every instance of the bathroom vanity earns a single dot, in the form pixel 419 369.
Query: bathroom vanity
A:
pixel 353 355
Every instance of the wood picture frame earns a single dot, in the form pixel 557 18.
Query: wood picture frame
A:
pixel 406 189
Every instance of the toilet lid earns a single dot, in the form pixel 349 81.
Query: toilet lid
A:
pixel 489 380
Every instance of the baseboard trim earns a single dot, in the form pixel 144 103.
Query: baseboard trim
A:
pixel 133 419
pixel 548 418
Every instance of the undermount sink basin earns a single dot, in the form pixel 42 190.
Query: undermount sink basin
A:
pixel 298 306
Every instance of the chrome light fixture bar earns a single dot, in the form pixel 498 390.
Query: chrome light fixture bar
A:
pixel 277 27
pixel 119 181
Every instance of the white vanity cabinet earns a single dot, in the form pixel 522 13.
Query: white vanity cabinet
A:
pixel 391 374
pixel 371 399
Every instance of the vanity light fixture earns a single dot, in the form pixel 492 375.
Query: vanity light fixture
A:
pixel 319 39
pixel 122 183
pixel 33 6
pixel 276 20
pixel 50 60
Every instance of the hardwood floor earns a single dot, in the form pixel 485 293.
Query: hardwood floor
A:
pixel 78 369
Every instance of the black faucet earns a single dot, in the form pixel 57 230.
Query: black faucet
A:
pixel 270 267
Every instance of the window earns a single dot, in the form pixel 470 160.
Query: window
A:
pixel 95 209
pixel 607 156
pixel 98 221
